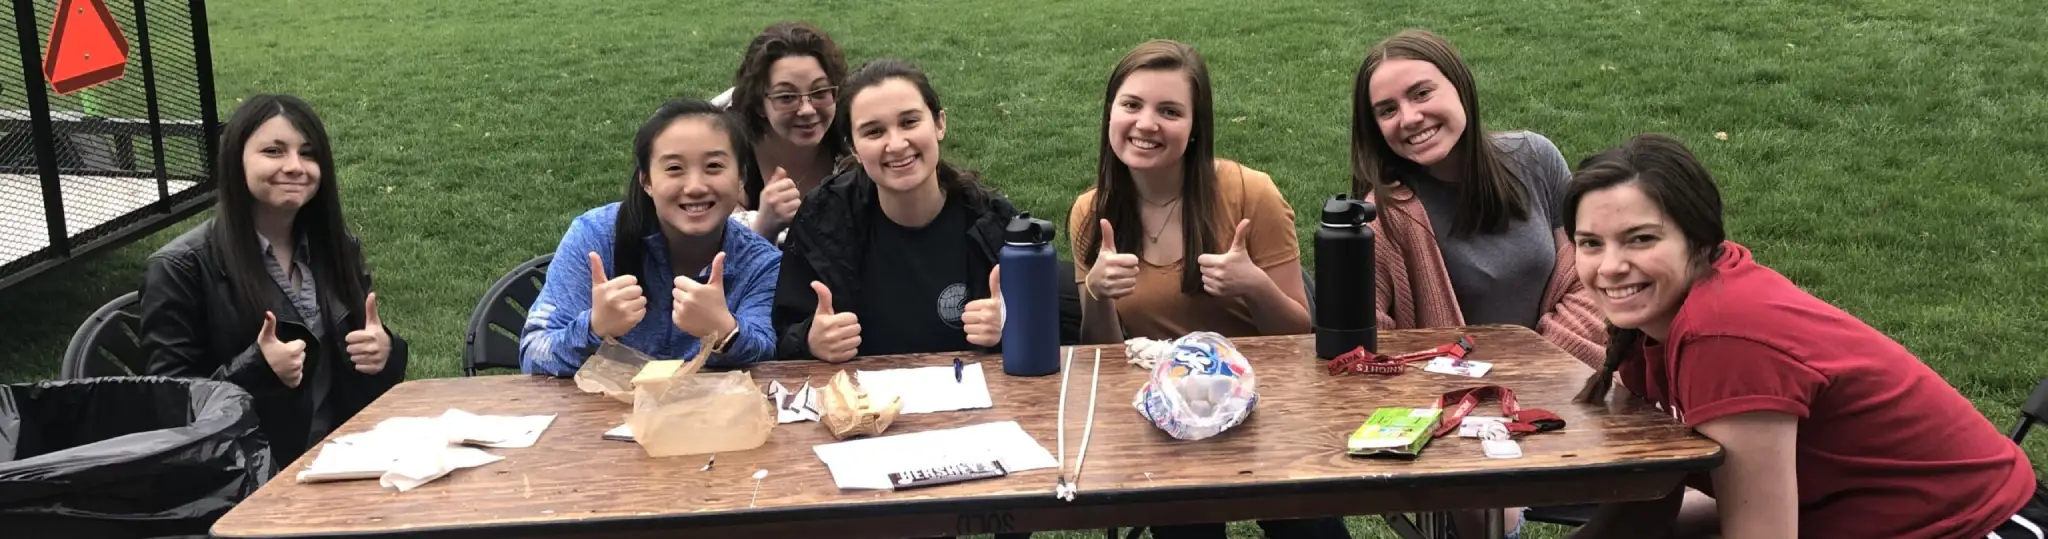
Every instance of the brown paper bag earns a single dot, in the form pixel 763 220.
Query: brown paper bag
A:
pixel 848 411
pixel 690 413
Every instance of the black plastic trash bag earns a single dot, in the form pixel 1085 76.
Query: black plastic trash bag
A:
pixel 125 456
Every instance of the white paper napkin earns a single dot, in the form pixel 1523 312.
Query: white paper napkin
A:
pixel 406 452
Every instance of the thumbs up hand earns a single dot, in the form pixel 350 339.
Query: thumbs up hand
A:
pixel 699 308
pixel 780 200
pixel 835 337
pixel 287 359
pixel 983 319
pixel 1232 273
pixel 1114 275
pixel 616 305
pixel 371 346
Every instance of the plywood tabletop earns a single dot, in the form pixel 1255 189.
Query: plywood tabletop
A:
pixel 1288 456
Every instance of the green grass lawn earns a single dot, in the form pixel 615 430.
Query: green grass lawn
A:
pixel 1885 154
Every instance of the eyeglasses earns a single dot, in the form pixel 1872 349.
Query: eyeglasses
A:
pixel 788 100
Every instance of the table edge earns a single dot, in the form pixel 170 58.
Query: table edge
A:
pixel 1010 501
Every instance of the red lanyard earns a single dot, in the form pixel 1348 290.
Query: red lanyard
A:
pixel 1519 421
pixel 1359 361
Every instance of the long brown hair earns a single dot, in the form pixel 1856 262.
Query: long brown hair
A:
pixel 337 262
pixel 750 87
pixel 1678 184
pixel 952 179
pixel 1488 195
pixel 1116 193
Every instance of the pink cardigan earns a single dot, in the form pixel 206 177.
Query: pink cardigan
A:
pixel 1413 289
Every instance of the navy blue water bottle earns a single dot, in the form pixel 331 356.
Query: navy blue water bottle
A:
pixel 1346 314
pixel 1031 317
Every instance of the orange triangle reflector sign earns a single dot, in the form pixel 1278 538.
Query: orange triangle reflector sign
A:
pixel 86 47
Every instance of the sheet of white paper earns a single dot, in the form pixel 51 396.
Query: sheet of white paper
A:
pixel 496 430
pixel 928 389
pixel 406 452
pixel 415 469
pixel 866 463
pixel 344 461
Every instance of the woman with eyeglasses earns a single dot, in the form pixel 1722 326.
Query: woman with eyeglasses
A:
pixel 785 92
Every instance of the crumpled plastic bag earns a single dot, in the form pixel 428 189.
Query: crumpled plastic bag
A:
pixel 689 413
pixel 1205 388
pixel 850 412
pixel 610 371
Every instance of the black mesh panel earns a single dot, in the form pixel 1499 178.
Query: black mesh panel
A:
pixel 118 168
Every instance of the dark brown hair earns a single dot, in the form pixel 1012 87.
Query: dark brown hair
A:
pixel 1116 194
pixel 1488 195
pixel 337 261
pixel 953 180
pixel 750 85
pixel 1680 186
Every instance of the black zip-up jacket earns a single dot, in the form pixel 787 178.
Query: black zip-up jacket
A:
pixel 192 328
pixel 828 241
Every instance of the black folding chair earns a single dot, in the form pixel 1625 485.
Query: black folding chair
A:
pixel 1566 515
pixel 2035 411
pixel 493 336
pixel 108 343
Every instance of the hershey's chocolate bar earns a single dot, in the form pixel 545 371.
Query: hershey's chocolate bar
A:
pixel 948 474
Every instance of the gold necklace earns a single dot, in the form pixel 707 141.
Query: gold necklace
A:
pixel 1163 222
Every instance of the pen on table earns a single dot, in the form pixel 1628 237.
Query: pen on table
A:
pixel 957 368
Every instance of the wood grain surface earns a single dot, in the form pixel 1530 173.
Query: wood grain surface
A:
pixel 1286 460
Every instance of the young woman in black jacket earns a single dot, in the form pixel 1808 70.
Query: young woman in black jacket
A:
pixel 271 293
pixel 894 256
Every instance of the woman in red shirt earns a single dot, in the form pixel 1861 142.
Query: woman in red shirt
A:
pixel 1830 428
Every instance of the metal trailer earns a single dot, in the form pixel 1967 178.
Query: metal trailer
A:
pixel 94 169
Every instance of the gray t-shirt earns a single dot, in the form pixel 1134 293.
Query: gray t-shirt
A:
pixel 1499 278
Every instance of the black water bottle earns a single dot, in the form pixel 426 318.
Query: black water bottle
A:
pixel 1345 308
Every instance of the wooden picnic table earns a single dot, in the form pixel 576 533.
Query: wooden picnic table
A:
pixel 1286 461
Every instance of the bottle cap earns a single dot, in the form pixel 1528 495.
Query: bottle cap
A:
pixel 1023 230
pixel 1342 211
